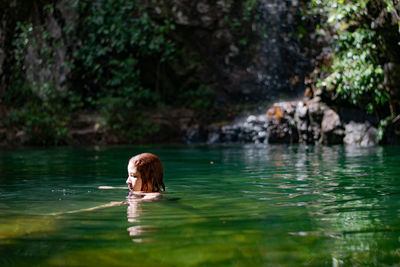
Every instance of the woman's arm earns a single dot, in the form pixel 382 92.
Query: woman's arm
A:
pixel 111 187
pixel 111 204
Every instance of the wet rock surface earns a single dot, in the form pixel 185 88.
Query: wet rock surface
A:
pixel 252 129
pixel 240 57
pixel 304 121
pixel 360 134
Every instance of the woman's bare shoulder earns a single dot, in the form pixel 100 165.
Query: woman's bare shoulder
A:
pixel 144 196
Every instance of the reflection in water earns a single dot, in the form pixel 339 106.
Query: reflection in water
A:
pixel 133 210
pixel 336 185
pixel 255 205
pixel 134 213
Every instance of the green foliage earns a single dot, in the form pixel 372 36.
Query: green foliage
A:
pixel 200 99
pixel 111 39
pixel 19 90
pixel 356 72
pixel 37 106
pixel 248 8
pixel 301 32
pixel 116 36
pixel 125 120
pixel 42 125
pixel 382 127
pixel 130 126
pixel 240 26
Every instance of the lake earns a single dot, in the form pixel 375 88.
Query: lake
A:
pixel 228 205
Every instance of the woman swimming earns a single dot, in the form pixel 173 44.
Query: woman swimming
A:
pixel 145 174
pixel 145 182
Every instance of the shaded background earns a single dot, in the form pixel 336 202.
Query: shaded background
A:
pixel 108 71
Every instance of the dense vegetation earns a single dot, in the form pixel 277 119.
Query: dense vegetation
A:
pixel 107 43
pixel 118 59
pixel 365 35
pixel 116 37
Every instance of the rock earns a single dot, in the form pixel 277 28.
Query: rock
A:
pixel 251 129
pixel 360 134
pixel 331 128
pixel 281 110
pixel 22 137
pixel 230 133
pixel 354 133
pixel 301 110
pixel 370 137
pixel 310 122
pixel 316 109
pixel 330 121
pixel 281 124
pixel 282 133
pixel 213 137
pixel 277 64
pixel 193 135
pixel 251 119
pixel 302 122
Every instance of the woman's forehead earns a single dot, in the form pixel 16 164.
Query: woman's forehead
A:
pixel 131 168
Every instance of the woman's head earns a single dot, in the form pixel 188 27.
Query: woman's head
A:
pixel 145 173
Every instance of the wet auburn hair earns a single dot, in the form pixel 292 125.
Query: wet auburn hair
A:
pixel 151 171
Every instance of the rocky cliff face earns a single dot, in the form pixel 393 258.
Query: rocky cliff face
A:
pixel 33 32
pixel 294 122
pixel 243 51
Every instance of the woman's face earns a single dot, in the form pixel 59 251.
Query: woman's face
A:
pixel 134 180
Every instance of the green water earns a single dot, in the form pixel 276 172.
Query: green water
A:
pixel 225 205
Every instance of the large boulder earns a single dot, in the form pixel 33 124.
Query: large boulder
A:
pixel 331 128
pixel 360 134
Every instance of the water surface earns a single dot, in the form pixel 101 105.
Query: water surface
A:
pixel 225 205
